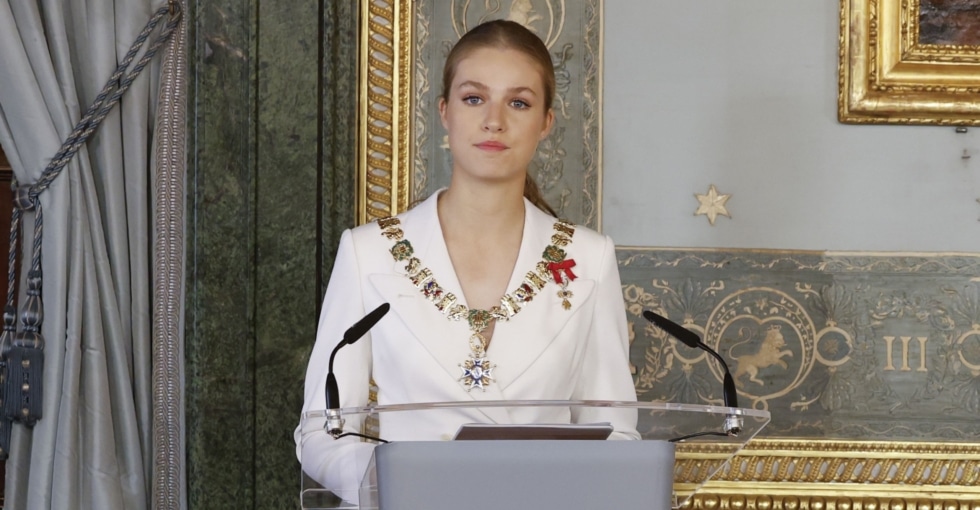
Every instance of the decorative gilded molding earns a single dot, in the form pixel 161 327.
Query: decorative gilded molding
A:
pixel 825 474
pixel 777 500
pixel 854 462
pixel 887 77
pixel 384 85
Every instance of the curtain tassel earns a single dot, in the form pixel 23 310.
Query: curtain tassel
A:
pixel 24 368
pixel 5 426
pixel 25 361
pixel 6 339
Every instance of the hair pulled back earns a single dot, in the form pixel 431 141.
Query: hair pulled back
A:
pixel 505 34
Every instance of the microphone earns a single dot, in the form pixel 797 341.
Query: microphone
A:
pixel 355 332
pixel 335 423
pixel 733 424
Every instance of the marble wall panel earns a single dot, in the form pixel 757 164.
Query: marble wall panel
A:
pixel 219 336
pixel 287 145
pixel 271 189
pixel 339 132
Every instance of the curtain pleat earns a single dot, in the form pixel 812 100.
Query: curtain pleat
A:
pixel 92 447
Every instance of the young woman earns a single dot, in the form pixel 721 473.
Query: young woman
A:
pixel 492 297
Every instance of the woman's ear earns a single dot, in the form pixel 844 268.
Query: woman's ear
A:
pixel 442 112
pixel 549 122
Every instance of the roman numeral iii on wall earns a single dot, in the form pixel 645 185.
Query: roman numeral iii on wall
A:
pixel 905 341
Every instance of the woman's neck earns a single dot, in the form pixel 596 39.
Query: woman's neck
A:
pixel 490 210
pixel 483 228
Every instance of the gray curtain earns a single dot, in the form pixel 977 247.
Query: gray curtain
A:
pixel 93 447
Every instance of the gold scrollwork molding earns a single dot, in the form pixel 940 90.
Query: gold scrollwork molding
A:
pixel 384 85
pixel 778 500
pixel 886 76
pixel 830 474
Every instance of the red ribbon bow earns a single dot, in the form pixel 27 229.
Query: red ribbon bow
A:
pixel 556 269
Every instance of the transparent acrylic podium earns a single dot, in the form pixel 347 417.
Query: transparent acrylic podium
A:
pixel 693 435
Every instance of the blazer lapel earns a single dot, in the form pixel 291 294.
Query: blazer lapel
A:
pixel 445 340
pixel 518 343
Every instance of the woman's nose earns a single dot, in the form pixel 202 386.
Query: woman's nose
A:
pixel 494 121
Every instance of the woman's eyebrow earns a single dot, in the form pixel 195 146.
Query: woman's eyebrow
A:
pixel 480 86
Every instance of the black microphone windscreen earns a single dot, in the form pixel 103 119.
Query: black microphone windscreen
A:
pixel 357 330
pixel 673 329
pixel 731 392
pixel 333 393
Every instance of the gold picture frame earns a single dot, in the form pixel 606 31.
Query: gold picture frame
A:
pixel 770 473
pixel 886 76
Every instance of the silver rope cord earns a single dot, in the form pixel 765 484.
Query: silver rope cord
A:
pixel 168 271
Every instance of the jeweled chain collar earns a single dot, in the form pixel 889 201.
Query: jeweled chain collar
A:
pixel 477 369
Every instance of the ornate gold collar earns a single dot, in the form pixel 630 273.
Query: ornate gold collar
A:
pixel 477 369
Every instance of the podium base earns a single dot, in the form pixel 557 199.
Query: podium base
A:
pixel 530 474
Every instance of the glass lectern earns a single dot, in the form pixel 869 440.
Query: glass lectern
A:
pixel 675 449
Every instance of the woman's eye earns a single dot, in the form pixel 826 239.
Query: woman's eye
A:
pixel 520 104
pixel 472 100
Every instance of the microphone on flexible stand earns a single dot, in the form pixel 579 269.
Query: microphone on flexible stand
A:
pixel 733 423
pixel 335 422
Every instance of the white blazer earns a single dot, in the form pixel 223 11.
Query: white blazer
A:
pixel 545 352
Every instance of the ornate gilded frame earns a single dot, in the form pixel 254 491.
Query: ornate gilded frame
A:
pixel 887 77
pixel 384 108
pixel 773 474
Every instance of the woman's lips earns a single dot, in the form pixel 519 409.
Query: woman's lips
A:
pixel 491 146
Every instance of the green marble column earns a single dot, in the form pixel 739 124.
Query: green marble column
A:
pixel 271 185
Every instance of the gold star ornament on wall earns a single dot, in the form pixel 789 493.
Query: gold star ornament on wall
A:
pixel 712 204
